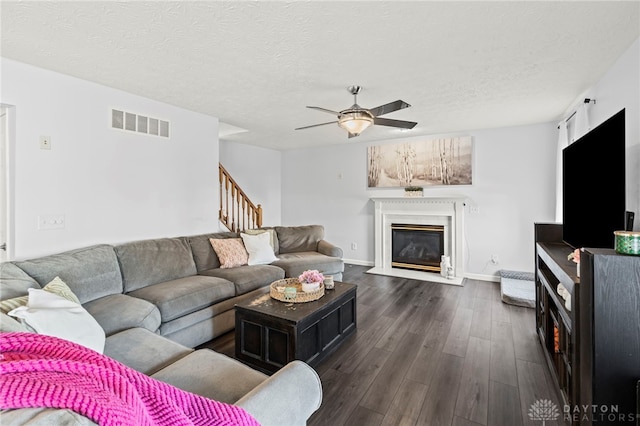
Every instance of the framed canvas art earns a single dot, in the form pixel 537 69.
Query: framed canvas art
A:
pixel 441 161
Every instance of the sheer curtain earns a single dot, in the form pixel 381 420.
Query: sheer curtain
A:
pixel 581 126
pixel 563 141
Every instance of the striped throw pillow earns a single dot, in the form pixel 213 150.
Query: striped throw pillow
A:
pixel 56 286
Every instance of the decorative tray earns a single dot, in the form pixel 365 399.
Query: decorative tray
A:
pixel 278 290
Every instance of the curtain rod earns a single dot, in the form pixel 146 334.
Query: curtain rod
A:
pixel 586 101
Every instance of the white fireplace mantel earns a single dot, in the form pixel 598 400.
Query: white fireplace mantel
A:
pixel 446 211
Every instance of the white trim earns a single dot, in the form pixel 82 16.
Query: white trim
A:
pixel 448 211
pixel 358 262
pixel 9 179
pixel 483 277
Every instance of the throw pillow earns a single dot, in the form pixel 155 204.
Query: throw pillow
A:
pixel 273 238
pixel 259 248
pixel 53 315
pixel 56 286
pixel 230 251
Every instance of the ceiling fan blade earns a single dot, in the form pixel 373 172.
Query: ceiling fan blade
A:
pixel 394 123
pixel 324 110
pixel 315 125
pixel 390 107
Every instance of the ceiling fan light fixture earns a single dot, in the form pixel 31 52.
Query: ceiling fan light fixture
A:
pixel 355 122
pixel 356 119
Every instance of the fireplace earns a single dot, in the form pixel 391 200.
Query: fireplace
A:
pixel 430 212
pixel 417 247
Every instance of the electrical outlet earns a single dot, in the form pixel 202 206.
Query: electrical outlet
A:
pixel 494 259
pixel 45 142
pixel 354 246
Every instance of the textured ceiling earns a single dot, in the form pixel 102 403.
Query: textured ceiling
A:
pixel 256 65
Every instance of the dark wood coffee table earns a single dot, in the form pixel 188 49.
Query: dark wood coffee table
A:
pixel 271 333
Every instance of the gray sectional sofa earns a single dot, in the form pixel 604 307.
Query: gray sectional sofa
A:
pixel 157 299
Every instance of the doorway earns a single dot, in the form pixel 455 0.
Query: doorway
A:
pixel 6 183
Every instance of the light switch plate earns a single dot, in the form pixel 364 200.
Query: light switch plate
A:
pixel 51 222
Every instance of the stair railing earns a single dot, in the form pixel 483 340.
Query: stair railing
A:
pixel 237 212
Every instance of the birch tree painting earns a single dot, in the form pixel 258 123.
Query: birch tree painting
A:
pixel 443 161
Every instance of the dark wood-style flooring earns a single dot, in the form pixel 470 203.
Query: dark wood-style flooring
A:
pixel 431 354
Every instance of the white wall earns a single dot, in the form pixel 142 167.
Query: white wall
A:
pixel 112 186
pixel 257 171
pixel 513 188
pixel 620 88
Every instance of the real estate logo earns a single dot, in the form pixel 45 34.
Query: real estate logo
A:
pixel 544 409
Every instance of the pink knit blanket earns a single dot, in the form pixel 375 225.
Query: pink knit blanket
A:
pixel 43 371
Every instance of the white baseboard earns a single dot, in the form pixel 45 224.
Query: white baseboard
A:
pixel 483 277
pixel 358 262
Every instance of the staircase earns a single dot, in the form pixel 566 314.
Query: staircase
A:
pixel 237 212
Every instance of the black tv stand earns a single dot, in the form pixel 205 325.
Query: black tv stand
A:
pixel 593 350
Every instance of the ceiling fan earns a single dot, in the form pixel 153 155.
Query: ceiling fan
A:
pixel 356 119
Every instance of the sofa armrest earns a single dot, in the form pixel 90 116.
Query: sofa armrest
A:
pixel 329 249
pixel 289 397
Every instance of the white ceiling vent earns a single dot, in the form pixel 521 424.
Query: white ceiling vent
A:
pixel 139 123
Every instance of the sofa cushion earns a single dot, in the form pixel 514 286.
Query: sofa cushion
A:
pixel 247 278
pixel 90 272
pixel 293 239
pixel 149 262
pixel 143 350
pixel 179 297
pixel 225 380
pixel 207 314
pixel 14 282
pixel 118 312
pixel 296 263
pixel 230 252
pixel 203 254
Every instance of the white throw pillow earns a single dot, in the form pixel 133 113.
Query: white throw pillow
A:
pixel 53 315
pixel 259 248
pixel 56 286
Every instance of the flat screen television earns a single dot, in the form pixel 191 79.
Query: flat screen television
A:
pixel 593 188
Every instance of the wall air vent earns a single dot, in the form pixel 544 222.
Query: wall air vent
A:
pixel 139 123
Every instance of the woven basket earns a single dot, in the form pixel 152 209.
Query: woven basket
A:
pixel 301 297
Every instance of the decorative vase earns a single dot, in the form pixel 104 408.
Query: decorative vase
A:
pixel 310 287
pixel 413 193
pixel 445 264
pixel 328 282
